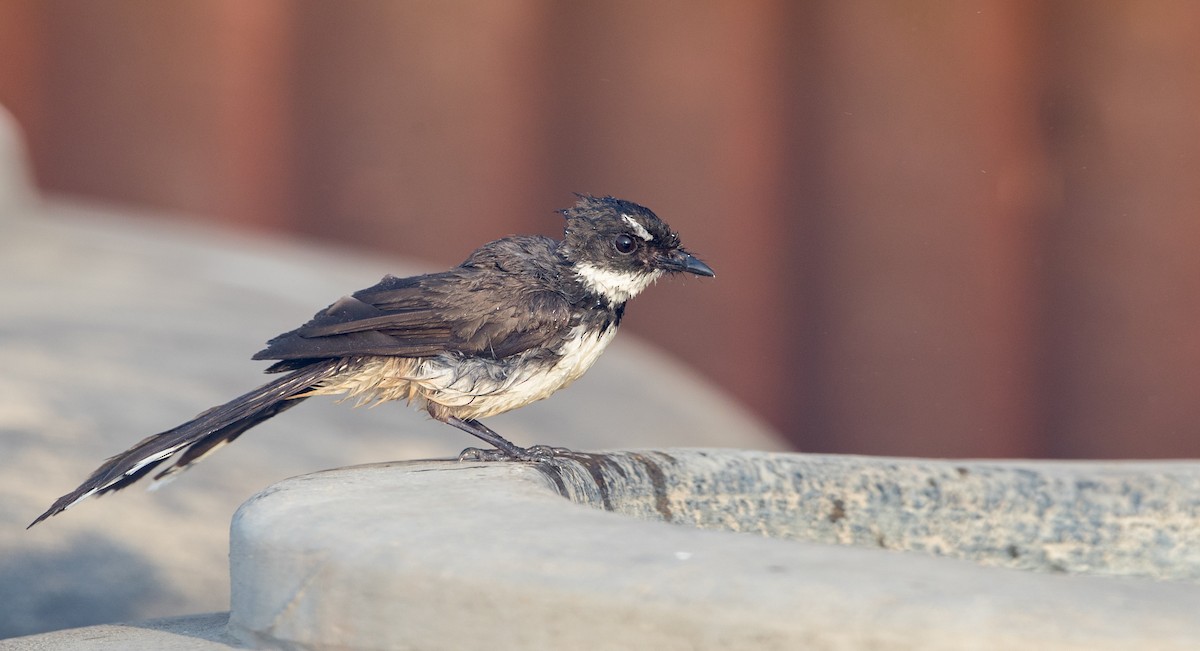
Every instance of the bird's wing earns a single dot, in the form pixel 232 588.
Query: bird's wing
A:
pixel 464 310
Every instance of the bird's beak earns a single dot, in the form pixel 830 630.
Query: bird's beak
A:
pixel 680 260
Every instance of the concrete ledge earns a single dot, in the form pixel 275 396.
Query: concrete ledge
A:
pixel 192 633
pixel 445 555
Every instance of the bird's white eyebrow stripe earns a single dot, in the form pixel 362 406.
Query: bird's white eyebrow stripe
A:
pixel 638 229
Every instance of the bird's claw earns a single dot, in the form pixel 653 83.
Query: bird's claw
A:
pixel 477 454
pixel 531 453
pixel 541 452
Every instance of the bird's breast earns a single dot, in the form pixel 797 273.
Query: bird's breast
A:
pixel 581 350
pixel 483 388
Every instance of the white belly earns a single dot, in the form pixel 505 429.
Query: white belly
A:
pixel 530 386
pixel 470 397
pixel 475 388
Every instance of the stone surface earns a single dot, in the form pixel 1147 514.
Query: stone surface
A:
pixel 118 324
pixel 475 556
pixel 193 633
pixel 1105 518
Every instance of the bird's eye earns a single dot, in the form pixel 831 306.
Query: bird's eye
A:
pixel 624 244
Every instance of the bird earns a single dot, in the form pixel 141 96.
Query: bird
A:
pixel 522 317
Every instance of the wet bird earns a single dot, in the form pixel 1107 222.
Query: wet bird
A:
pixel 519 319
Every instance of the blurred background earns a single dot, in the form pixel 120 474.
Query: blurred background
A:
pixel 940 228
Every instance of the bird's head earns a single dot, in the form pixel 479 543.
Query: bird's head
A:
pixel 618 247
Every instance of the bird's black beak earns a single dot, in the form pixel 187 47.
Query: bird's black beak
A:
pixel 680 260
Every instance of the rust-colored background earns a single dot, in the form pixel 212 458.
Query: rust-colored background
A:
pixel 940 228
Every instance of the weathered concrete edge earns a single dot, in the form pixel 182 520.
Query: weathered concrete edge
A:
pixel 1105 518
pixel 448 555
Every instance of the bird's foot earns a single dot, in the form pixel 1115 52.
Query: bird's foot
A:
pixel 478 454
pixel 538 452
pixel 531 453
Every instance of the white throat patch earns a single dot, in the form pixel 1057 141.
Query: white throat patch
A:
pixel 638 229
pixel 616 286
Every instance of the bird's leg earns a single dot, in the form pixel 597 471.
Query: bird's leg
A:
pixel 505 449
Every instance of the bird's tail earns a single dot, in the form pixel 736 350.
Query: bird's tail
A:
pixel 197 438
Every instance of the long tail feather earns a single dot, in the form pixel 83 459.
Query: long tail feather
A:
pixel 197 438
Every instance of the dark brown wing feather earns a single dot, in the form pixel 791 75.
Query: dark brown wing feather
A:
pixel 502 301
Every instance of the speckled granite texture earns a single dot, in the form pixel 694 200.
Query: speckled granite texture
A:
pixel 1128 519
